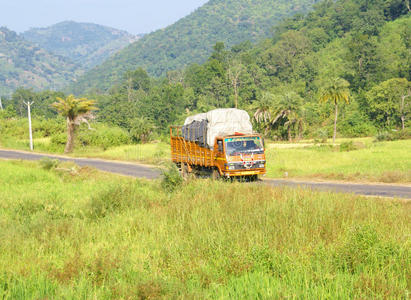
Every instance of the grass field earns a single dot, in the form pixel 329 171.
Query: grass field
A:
pixel 91 235
pixel 388 162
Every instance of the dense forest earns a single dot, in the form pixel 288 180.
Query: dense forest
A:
pixel 86 44
pixel 190 40
pixel 279 81
pixel 24 64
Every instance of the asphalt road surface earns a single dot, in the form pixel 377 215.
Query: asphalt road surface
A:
pixel 128 169
pixel 135 170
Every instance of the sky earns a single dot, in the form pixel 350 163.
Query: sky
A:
pixel 134 16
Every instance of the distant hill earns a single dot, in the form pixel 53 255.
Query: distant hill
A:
pixel 24 64
pixel 191 39
pixel 83 43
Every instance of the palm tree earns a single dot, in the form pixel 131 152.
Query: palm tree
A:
pixel 336 91
pixel 75 110
pixel 289 107
pixel 263 110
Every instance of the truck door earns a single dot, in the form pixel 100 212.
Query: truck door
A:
pixel 219 154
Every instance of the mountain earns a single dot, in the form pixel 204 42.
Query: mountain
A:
pixel 24 64
pixel 191 39
pixel 83 43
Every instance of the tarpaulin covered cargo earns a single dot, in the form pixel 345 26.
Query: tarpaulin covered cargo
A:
pixel 196 131
pixel 204 128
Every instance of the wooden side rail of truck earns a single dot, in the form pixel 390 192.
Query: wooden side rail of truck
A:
pixel 232 156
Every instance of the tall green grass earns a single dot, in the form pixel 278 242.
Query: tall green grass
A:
pixel 93 235
pixel 376 162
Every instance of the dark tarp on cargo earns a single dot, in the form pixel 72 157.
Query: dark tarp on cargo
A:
pixel 196 131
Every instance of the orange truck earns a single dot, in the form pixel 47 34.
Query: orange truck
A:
pixel 233 155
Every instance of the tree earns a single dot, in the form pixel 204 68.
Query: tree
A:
pixel 141 129
pixel 263 111
pixel 75 110
pixel 336 91
pixel 288 107
pixel 387 102
pixel 234 72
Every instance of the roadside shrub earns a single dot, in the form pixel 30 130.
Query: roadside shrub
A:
pixel 48 127
pixel 114 198
pixel 321 135
pixel 356 125
pixel 384 136
pixel 402 134
pixel 103 136
pixel 47 163
pixel 172 178
pixel 347 146
pixel 351 146
pixel 59 139
pixel 393 136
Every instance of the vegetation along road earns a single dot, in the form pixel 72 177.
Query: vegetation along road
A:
pixel 136 170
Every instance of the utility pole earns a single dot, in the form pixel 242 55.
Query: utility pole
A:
pixel 28 103
pixel 1 104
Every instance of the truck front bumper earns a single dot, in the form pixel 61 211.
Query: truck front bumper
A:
pixel 230 173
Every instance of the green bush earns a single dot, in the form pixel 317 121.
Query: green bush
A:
pixel 47 163
pixel 172 178
pixel 356 125
pixel 321 135
pixel 402 134
pixel 59 139
pixel 48 127
pixel 393 135
pixel 114 198
pixel 103 136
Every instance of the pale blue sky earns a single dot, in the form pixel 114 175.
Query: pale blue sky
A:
pixel 136 16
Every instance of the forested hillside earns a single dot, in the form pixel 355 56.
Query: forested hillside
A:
pixel 358 46
pixel 83 43
pixel 365 45
pixel 190 40
pixel 23 64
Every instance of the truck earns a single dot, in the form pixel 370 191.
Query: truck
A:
pixel 220 143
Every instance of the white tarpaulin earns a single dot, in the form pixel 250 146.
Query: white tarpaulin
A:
pixel 224 121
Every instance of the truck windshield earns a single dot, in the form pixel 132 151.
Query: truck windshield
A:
pixel 242 145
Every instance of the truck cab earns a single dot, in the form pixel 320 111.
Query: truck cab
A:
pixel 240 155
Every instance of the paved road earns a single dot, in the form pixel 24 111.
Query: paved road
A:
pixel 381 190
pixel 128 169
pixel 136 170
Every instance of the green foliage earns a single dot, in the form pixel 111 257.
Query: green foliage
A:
pixel 393 135
pixel 388 101
pixel 103 136
pixel 347 146
pixel 193 242
pixel 305 53
pixel 141 130
pixel 23 64
pixel 172 178
pixel 85 44
pixel 112 199
pixel 48 163
pixel 364 44
pixel 321 135
pixel 191 39
pixel 355 124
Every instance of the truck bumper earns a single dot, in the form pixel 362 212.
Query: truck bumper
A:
pixel 245 172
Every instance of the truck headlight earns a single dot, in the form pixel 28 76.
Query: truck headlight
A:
pixel 231 167
pixel 261 166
